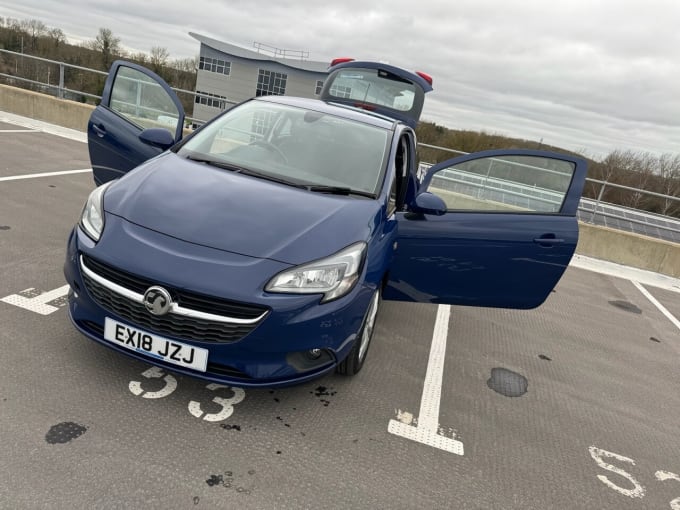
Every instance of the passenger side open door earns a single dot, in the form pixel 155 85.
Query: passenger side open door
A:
pixel 495 228
pixel 138 118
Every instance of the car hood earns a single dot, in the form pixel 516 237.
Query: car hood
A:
pixel 221 209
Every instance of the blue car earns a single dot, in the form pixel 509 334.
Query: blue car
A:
pixel 257 250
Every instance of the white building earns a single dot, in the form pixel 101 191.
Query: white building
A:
pixel 229 74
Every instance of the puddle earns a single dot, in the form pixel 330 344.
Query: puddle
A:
pixel 507 383
pixel 654 339
pixel 64 432
pixel 544 357
pixel 625 305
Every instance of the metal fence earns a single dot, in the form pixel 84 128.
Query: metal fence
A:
pixel 59 89
pixel 590 211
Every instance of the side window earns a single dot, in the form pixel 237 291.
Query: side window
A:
pixel 142 101
pixel 505 183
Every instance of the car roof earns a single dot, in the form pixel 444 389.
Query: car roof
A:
pixel 330 108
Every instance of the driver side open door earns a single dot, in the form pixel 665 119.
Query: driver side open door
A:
pixel 139 116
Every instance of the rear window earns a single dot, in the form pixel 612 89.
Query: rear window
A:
pixel 374 86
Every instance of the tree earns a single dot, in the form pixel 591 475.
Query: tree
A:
pixel 107 44
pixel 669 171
pixel 158 58
pixel 35 29
pixel 57 35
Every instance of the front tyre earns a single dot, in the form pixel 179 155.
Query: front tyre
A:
pixel 355 360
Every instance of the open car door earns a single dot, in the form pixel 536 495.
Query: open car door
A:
pixel 139 116
pixel 494 228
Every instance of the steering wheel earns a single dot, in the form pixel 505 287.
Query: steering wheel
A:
pixel 271 148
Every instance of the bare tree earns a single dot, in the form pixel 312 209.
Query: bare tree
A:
pixel 187 65
pixel 158 58
pixel 669 171
pixel 57 35
pixel 640 169
pixel 107 44
pixel 139 57
pixel 35 29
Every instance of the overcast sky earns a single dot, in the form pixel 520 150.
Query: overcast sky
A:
pixel 586 75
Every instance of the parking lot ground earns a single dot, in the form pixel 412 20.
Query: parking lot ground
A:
pixel 573 405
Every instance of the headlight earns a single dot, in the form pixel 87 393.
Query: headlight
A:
pixel 333 276
pixel 92 218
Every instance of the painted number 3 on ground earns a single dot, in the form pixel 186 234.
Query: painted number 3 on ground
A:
pixel 194 407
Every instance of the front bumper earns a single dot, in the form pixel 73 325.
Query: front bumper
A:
pixel 274 352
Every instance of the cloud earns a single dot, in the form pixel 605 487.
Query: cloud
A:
pixel 585 74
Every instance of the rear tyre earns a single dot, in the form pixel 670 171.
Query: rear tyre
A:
pixel 352 364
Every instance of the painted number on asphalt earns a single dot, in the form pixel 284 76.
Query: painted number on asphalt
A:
pixel 634 488
pixel 226 403
pixel 154 373
pixel 194 407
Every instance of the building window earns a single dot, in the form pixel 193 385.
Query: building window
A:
pixel 270 83
pixel 212 100
pixel 341 91
pixel 215 65
pixel 319 86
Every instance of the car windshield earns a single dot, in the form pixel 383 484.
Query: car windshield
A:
pixel 294 145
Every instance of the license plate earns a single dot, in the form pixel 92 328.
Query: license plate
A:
pixel 158 347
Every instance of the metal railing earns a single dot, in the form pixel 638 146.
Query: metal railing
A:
pixel 279 52
pixel 61 91
pixel 60 88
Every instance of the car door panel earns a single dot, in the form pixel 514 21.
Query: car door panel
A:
pixel 509 257
pixel 134 98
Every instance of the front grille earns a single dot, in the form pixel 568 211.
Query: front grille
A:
pixel 184 298
pixel 178 326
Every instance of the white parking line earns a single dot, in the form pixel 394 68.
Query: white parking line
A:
pixel 427 429
pixel 37 304
pixel 44 174
pixel 661 308
pixel 629 273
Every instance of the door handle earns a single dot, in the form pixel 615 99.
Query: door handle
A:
pixel 548 240
pixel 100 130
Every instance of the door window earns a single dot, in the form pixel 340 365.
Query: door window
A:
pixel 142 101
pixel 513 183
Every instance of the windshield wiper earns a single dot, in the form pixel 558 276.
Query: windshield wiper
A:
pixel 215 162
pixel 338 190
pixel 267 177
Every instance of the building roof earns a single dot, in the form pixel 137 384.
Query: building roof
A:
pixel 241 52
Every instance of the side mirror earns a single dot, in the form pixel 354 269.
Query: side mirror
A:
pixel 429 203
pixel 157 137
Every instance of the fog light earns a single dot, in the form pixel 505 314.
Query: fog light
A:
pixel 311 359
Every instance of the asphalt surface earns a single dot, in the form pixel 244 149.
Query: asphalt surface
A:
pixel 573 405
